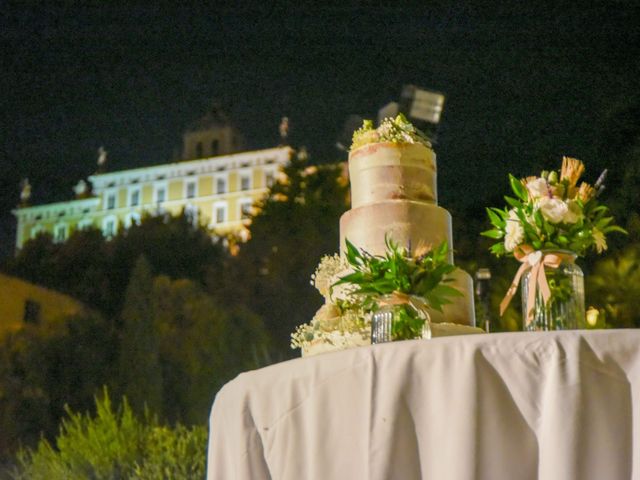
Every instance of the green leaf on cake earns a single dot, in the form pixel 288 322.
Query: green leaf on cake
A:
pixel 397 271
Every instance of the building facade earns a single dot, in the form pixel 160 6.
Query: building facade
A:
pixel 22 303
pixel 214 182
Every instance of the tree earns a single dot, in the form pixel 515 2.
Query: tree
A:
pixel 35 262
pixel 174 245
pixel 96 271
pixel 202 346
pixel 140 374
pixel 619 151
pixel 296 224
pixel 45 367
pixel 614 285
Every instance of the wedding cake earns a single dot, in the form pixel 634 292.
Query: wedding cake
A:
pixel 392 171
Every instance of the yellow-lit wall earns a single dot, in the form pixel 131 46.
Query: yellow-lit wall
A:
pixel 176 190
pixel 147 194
pixel 14 294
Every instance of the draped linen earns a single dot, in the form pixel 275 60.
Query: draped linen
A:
pixel 554 405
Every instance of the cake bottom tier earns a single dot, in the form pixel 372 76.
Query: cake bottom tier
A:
pixel 462 309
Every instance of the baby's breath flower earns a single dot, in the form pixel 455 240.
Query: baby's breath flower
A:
pixel 393 130
pixel 327 269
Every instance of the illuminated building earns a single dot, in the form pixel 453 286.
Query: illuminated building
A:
pixel 215 182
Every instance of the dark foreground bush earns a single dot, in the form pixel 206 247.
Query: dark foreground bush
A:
pixel 114 444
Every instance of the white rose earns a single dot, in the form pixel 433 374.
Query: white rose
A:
pixel 514 233
pixel 574 212
pixel 538 188
pixel 553 209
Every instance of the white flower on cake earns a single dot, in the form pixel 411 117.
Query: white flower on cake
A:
pixel 338 324
pixel 394 130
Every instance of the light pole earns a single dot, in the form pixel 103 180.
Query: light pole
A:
pixel 483 278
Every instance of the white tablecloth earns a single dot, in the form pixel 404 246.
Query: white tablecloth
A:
pixel 516 406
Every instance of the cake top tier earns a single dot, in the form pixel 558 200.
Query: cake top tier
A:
pixel 392 130
pixel 390 171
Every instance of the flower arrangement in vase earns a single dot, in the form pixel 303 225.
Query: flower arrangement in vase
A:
pixel 399 288
pixel 548 223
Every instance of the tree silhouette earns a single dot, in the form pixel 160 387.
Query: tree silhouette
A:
pixel 140 374
pixel 297 223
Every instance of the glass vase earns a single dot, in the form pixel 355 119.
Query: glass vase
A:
pixel 565 308
pixel 400 318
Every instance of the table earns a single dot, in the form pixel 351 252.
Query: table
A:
pixel 554 405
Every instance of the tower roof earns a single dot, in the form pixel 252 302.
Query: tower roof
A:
pixel 215 117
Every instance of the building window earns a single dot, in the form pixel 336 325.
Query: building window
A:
pixel 221 185
pixel 245 210
pixel 111 201
pixel 220 212
pixel 269 178
pixel 215 147
pixel 192 214
pixel 134 199
pixel 85 224
pixel 36 230
pixel 109 227
pixel 60 233
pixel 132 219
pixel 199 150
pixel 31 312
pixel 191 190
pixel 245 182
pixel 161 194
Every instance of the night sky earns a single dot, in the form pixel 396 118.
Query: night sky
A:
pixel 524 84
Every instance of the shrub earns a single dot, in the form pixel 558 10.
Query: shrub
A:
pixel 115 444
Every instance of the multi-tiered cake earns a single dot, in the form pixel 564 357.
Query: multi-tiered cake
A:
pixel 393 195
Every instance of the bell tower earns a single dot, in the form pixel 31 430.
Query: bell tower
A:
pixel 211 135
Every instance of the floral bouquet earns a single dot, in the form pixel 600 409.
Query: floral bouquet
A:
pixel 357 285
pixel 408 281
pixel 552 212
pixel 550 219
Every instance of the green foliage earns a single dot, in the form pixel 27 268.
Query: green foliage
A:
pixel 43 367
pixel 168 343
pixel 613 286
pixel 96 271
pixel 406 324
pixel 297 224
pixel 116 444
pixel 140 374
pixel 202 346
pixel 177 453
pixel 397 271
